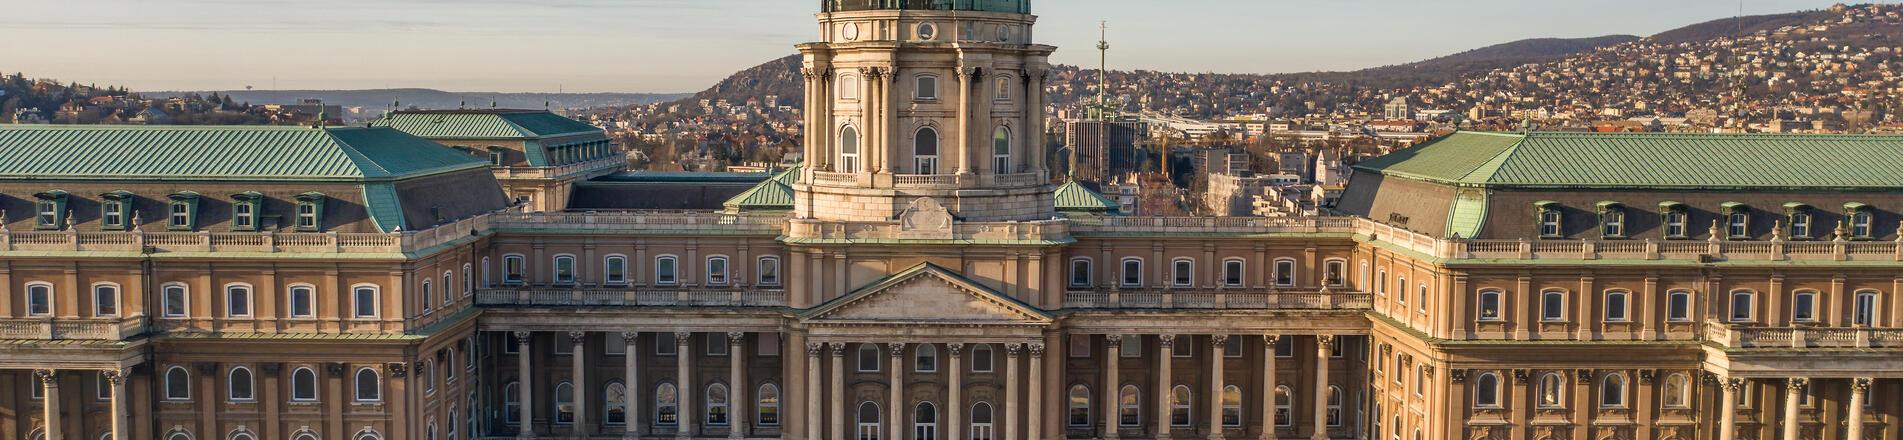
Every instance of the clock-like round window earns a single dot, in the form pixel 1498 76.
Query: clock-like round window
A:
pixel 850 31
pixel 1004 34
pixel 927 31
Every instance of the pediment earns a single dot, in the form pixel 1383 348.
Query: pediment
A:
pixel 927 294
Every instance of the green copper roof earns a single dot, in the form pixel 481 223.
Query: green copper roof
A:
pixel 774 193
pixel 1075 197
pixel 1650 160
pixel 484 124
pixel 220 153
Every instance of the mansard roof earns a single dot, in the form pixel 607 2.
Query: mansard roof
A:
pixel 1073 196
pixel 276 153
pixel 774 193
pixel 1650 160
pixel 484 124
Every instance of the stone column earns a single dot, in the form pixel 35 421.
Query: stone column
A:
pixel 1112 391
pixel 631 361
pixel 839 390
pixel 1323 345
pixel 955 393
pixel 1010 406
pixel 965 138
pixel 580 340
pixel 1728 408
pixel 1793 394
pixel 684 376
pixel 120 425
pixel 1165 350
pixel 895 405
pixel 1034 406
pixel 1268 386
pixel 49 392
pixel 813 413
pixel 525 386
pixel 1034 119
pixel 1859 388
pixel 736 386
pixel 1217 343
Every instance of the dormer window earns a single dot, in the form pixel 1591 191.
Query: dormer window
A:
pixel 115 211
pixel 497 156
pixel 49 212
pixel 1676 219
pixel 1549 219
pixel 1861 221
pixel 1612 220
pixel 244 210
pixel 1801 219
pixel 182 213
pixel 310 212
pixel 1737 220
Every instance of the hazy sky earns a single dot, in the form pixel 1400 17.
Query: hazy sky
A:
pixel 686 45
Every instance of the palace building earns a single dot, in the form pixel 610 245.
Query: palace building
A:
pixel 436 276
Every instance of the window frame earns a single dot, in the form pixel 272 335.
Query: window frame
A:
pixel 1804 306
pixel 1613 398
pixel 1490 300
pixel 564 271
pixel 1550 311
pixel 515 268
pixel 1234 272
pixel 761 273
pixel 244 211
pixel 296 396
pixel 1862 315
pixel 1750 314
pixel 291 301
pixel 184 299
pixel 309 214
pixel 1483 397
pixel 1182 272
pixel 849 147
pixel 717 412
pixel 1557 386
pixel 1087 273
pixel 1287 272
pixel 721 277
pixel 232 385
pixel 48 294
pixel 186 387
pixel 1678 306
pixel 667 411
pixel 1077 404
pixel 357 304
pixel 357 385
pixel 670 277
pixel 1001 150
pixel 232 292
pixel 761 405
pixel 920 91
pixel 1129 407
pixel 923 163
pixel 1618 302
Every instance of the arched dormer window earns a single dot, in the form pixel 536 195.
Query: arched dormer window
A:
pixel 1549 217
pixel 49 211
pixel 925 151
pixel 1676 219
pixel 115 210
pixel 1799 221
pixel 1860 221
pixel 310 212
pixel 1737 220
pixel 182 212
pixel 244 210
pixel 1612 220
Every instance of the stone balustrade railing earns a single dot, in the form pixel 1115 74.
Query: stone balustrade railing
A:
pixel 1689 250
pixel 930 181
pixel 630 296
pixel 1742 336
pixel 89 329
pixel 673 221
pixel 137 241
pixel 1215 299
pixel 1046 230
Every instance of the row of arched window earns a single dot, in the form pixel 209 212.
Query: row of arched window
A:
pixel 427 289
pixel 667 270
pixel 175 300
pixel 716 404
pixel 869 422
pixel 1182 272
pixel 925 151
pixel 241 385
pixel 1806 306
pixel 1613 390
pixel 1130 412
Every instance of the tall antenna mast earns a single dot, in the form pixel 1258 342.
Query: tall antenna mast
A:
pixel 1103 63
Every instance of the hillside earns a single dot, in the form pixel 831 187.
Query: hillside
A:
pixel 1729 27
pixel 780 77
pixel 1448 68
pixel 430 98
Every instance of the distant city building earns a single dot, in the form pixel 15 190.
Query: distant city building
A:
pixel 1398 108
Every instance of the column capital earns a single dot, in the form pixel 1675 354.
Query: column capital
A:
pixel 1037 349
pixel 1796 384
pixel 1166 341
pixel 114 376
pixel 1219 341
pixel 1113 338
pixel 680 338
pixel 1731 384
pixel 1271 340
pixel 1013 348
pixel 735 338
pixel 577 337
pixel 897 349
pixel 630 337
pixel 839 349
pixel 521 337
pixel 955 349
pixel 1860 385
pixel 47 377
pixel 1458 375
pixel 396 369
pixel 1327 341
pixel 814 349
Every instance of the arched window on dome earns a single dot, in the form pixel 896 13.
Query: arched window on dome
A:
pixel 1001 151
pixel 849 150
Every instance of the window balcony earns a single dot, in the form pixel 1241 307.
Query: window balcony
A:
pixel 1740 336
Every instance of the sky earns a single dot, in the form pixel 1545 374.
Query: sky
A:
pixel 687 45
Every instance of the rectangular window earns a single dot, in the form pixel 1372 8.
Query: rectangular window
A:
pixel 717 271
pixel 1232 348
pixel 181 215
pixel 244 215
pixel 1080 273
pixel 1285 273
pixel 307 216
pixel 1132 273
pixel 616 271
pixel 769 271
pixel 1232 273
pixel 48 214
pixel 1678 307
pixel 1675 224
pixel 175 301
pixel 664 271
pixel 1866 310
pixel 927 88
pixel 1740 225
pixel 1181 275
pixel 1080 346
pixel 1804 307
pixel 1284 347
pixel 1130 346
pixel 1616 307
pixel 1490 306
pixel 1549 223
pixel 565 269
pixel 664 344
pixel 1553 306
pixel 716 346
pixel 39 300
pixel 512 269
pixel 113 214
pixel 365 302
